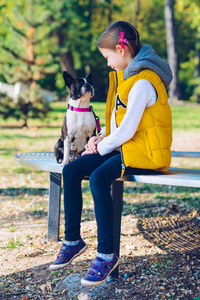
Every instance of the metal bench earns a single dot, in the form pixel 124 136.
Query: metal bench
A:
pixel 46 161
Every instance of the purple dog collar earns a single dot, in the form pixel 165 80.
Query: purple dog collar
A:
pixel 90 108
pixel 79 109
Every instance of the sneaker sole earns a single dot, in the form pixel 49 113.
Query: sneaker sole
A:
pixel 88 283
pixel 62 266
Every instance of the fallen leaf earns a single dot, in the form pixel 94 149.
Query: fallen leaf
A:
pixel 187 268
pixel 46 288
pixel 64 291
pixel 83 296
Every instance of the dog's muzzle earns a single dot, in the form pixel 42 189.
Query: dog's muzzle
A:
pixel 89 89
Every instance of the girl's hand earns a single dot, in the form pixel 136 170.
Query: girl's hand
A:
pixel 91 146
pixel 87 150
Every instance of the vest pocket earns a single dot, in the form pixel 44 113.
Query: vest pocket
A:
pixel 148 148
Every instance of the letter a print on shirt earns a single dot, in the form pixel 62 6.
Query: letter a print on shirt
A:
pixel 119 103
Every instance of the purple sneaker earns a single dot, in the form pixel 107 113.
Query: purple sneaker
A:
pixel 100 271
pixel 67 254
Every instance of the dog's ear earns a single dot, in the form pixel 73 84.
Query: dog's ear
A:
pixel 89 78
pixel 67 78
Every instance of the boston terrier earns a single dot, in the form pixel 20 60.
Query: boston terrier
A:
pixel 79 122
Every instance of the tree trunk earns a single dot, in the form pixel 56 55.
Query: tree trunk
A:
pixel 137 11
pixel 66 60
pixel 174 90
pixel 196 70
pixel 25 123
pixel 67 63
pixel 109 11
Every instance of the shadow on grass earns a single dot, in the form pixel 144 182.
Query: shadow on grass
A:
pixel 30 191
pixel 8 151
pixel 47 126
pixel 172 234
pixel 139 188
pixel 26 137
pixel 22 191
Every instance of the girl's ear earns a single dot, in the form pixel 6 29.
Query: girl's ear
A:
pixel 120 50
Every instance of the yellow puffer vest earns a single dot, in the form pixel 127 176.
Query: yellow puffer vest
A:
pixel 149 148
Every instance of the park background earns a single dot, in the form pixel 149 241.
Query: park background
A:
pixel 159 249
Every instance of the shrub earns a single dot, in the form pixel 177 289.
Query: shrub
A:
pixel 30 105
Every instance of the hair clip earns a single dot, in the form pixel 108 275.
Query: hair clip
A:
pixel 122 39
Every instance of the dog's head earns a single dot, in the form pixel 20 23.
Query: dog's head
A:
pixel 79 87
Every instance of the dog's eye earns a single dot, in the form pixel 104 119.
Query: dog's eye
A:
pixel 80 82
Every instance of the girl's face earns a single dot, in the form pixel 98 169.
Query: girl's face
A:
pixel 116 59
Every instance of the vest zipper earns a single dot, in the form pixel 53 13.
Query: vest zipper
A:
pixel 122 164
pixel 116 83
pixel 122 159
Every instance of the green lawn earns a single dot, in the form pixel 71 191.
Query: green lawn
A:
pixel 186 117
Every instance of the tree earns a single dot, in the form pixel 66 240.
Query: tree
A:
pixel 187 14
pixel 137 12
pixel 174 90
pixel 24 62
pixel 196 70
pixel 47 37
pixel 64 35
pixel 28 56
pixel 30 105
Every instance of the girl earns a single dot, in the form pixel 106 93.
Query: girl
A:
pixel 137 135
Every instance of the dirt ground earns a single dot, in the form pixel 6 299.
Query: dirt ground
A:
pixel 159 258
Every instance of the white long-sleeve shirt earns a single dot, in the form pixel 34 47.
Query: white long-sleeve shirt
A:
pixel 142 94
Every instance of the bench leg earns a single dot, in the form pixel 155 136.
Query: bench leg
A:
pixel 54 207
pixel 117 196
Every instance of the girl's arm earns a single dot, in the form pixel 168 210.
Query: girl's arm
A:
pixel 139 96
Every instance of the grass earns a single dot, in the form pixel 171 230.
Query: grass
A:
pixel 53 120
pixel 185 117
pixel 11 229
pixel 14 243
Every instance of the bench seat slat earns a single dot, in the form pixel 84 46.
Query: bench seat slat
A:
pixel 174 177
pixel 189 154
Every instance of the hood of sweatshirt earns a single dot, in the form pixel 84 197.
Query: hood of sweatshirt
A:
pixel 148 59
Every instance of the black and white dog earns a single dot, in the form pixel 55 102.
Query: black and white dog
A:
pixel 79 121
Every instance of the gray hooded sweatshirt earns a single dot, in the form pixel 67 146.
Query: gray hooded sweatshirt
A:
pixel 148 59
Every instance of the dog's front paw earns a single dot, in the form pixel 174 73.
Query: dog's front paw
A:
pixel 64 163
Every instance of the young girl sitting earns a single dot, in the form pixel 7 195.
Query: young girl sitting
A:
pixel 137 138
